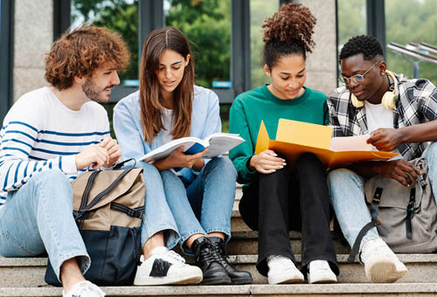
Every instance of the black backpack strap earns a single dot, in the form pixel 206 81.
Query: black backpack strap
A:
pixel 357 242
pixel 136 212
pixel 374 214
pixel 410 213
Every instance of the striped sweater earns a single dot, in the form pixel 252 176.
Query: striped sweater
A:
pixel 40 133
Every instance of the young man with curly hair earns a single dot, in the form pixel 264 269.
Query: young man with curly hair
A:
pixel 399 113
pixel 48 138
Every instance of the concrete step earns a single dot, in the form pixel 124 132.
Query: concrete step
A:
pixel 29 272
pixel 333 290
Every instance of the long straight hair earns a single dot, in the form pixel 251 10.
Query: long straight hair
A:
pixel 150 97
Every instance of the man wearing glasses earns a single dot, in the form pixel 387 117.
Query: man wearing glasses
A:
pixel 398 113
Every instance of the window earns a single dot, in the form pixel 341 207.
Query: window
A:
pixel 6 54
pixel 351 20
pixel 207 24
pixel 411 21
pixel 259 11
pixel 117 15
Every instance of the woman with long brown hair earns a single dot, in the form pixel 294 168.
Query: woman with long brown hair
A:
pixel 192 205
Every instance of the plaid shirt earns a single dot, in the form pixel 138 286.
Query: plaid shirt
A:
pixel 416 102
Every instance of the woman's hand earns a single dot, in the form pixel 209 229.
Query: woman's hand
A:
pixel 266 162
pixel 178 159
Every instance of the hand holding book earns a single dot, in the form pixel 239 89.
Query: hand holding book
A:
pixel 178 160
pixel 217 144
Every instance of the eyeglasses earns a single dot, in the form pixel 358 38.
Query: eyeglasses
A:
pixel 358 78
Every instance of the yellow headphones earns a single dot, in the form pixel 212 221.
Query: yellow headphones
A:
pixel 389 98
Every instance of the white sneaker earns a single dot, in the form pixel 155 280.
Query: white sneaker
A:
pixel 166 267
pixel 380 263
pixel 319 272
pixel 283 271
pixel 84 289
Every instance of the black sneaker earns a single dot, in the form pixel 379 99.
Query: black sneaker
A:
pixel 206 258
pixel 239 277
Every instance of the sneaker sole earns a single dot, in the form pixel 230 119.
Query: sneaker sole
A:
pixel 283 280
pixel 326 280
pixel 383 271
pixel 156 281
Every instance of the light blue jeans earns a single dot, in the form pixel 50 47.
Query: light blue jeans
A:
pixel 200 207
pixel 38 218
pixel 347 197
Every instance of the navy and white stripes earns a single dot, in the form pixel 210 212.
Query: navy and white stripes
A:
pixel 39 133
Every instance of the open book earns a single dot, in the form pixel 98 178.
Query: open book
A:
pixel 217 144
pixel 294 138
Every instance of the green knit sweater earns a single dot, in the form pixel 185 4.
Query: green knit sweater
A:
pixel 254 106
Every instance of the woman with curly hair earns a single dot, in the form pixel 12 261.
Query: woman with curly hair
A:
pixel 196 202
pixel 278 198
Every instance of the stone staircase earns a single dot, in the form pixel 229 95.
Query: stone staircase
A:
pixel 25 276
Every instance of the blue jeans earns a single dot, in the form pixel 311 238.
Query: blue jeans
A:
pixel 347 197
pixel 199 207
pixel 38 218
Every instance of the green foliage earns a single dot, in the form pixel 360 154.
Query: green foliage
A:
pixel 406 21
pixel 411 21
pixel 117 15
pixel 206 23
pixel 259 11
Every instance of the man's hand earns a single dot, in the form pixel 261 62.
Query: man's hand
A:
pixel 92 154
pixel 113 149
pixel 266 162
pixel 399 170
pixel 385 139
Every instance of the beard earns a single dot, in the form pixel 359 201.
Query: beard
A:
pixel 95 93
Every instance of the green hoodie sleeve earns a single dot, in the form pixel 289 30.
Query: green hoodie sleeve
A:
pixel 241 154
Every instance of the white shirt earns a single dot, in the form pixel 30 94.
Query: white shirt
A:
pixel 168 122
pixel 378 116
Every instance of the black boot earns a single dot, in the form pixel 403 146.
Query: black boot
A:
pixel 237 276
pixel 206 258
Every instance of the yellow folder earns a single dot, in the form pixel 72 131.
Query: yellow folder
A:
pixel 294 138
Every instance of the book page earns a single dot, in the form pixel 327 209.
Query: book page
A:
pixel 220 143
pixel 351 143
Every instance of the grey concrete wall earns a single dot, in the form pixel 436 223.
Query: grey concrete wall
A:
pixel 33 36
pixel 322 63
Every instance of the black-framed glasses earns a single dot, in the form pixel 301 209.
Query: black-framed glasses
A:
pixel 358 78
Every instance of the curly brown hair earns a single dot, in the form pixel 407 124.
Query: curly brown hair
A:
pixel 288 31
pixel 80 52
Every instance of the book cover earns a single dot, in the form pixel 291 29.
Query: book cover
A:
pixel 294 138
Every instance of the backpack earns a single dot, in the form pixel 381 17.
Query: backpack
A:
pixel 406 217
pixel 108 206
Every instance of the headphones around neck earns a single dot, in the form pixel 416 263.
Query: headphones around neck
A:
pixel 389 98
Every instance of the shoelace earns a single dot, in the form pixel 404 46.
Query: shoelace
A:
pixel 381 249
pixel 285 263
pixel 208 255
pixel 174 257
pixel 221 255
